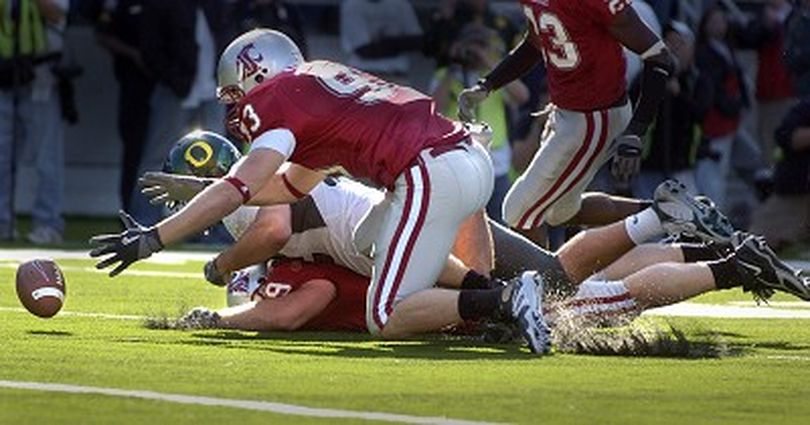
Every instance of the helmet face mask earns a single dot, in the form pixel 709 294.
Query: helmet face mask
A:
pixel 254 57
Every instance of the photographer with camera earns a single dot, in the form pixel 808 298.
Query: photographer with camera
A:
pixel 475 50
pixel 31 111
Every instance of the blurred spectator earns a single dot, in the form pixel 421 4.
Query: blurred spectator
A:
pixel 30 110
pixel 275 14
pixel 716 60
pixel 774 88
pixel 665 10
pixel 452 15
pixel 477 50
pixel 118 30
pixel 674 137
pixel 785 216
pixel 797 47
pixel 180 45
pixel 378 34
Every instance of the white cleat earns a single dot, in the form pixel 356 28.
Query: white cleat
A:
pixel 525 298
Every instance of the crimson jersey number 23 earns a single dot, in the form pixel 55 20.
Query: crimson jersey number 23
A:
pixel 563 53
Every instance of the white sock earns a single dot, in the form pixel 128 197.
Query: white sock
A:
pixel 644 226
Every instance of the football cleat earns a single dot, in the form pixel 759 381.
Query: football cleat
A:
pixel 199 318
pixel 682 214
pixel 522 298
pixel 763 272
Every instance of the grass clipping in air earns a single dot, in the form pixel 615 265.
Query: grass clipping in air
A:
pixel 642 337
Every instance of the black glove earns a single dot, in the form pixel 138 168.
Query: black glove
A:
pixel 136 242
pixel 213 275
pixel 627 159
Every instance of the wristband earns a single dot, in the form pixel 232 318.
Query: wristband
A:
pixel 240 186
pixel 295 192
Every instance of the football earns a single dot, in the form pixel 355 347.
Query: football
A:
pixel 41 287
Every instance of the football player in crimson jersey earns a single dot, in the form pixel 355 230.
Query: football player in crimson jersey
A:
pixel 590 118
pixel 319 115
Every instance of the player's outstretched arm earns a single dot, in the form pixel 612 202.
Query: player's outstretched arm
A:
pixel 516 64
pixel 248 176
pixel 286 313
pixel 287 187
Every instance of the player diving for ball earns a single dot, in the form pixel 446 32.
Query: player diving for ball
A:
pixel 319 115
pixel 301 295
pixel 590 119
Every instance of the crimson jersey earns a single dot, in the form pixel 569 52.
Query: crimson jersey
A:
pixel 584 62
pixel 344 117
pixel 347 312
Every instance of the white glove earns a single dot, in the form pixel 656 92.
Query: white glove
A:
pixel 171 188
pixel 627 159
pixel 468 100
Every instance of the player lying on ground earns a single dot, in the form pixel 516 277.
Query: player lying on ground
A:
pixel 581 42
pixel 324 297
pixel 513 254
pixel 320 115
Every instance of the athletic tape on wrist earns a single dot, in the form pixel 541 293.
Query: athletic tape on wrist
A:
pixel 654 50
pixel 295 192
pixel 241 187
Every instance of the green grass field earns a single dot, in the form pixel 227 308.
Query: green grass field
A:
pixel 763 379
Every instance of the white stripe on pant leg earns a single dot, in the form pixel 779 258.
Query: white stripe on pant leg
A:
pixel 399 249
pixel 593 144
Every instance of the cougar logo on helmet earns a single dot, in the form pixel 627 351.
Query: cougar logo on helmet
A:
pixel 248 61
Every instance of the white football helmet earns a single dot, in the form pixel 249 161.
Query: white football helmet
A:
pixel 252 58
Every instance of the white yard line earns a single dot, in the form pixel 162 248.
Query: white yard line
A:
pixel 165 257
pixel 130 272
pixel 728 311
pixel 264 406
pixel 80 314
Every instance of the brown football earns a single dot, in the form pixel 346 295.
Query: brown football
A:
pixel 41 287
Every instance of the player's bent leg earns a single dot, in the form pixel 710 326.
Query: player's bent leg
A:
pixel 640 257
pixel 423 312
pixel 573 143
pixel 669 283
pixel 515 254
pixel 594 249
pixel 599 209
pixel 420 225
pixel 473 245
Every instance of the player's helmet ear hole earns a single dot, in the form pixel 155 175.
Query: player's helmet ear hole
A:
pixel 259 79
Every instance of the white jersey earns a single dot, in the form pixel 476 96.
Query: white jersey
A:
pixel 322 223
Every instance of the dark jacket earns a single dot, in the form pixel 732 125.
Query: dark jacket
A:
pixel 797 49
pixel 673 139
pixel 792 175
pixel 168 40
pixel 729 96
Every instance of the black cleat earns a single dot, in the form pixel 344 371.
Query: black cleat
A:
pixel 763 272
pixel 683 214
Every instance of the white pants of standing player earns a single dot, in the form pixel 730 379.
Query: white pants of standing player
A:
pixel 574 146
pixel 414 228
